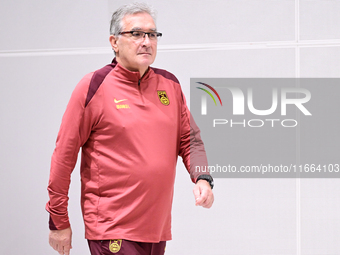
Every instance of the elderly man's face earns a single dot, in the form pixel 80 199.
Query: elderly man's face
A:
pixel 135 55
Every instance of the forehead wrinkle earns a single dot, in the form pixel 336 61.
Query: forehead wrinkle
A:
pixel 136 29
pixel 137 21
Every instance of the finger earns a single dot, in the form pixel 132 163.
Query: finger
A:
pixel 67 250
pixel 60 249
pixel 51 243
pixel 207 203
pixel 197 191
pixel 210 200
pixel 197 194
pixel 203 197
pixel 207 198
pixel 199 200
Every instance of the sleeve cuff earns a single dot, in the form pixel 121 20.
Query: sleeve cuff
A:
pixel 51 224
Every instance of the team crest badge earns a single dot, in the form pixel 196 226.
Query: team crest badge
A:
pixel 115 245
pixel 163 97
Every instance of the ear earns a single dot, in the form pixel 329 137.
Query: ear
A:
pixel 113 42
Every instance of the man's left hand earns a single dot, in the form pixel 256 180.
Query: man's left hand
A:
pixel 203 194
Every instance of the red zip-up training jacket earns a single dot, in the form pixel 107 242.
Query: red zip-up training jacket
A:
pixel 131 131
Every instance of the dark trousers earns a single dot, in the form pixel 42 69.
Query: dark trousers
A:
pixel 125 247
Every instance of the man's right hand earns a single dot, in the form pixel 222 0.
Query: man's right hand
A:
pixel 60 240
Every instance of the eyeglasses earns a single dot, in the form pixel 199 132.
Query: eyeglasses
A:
pixel 137 35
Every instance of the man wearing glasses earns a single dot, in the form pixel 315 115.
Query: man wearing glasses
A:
pixel 132 122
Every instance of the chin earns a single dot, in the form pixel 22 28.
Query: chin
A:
pixel 146 62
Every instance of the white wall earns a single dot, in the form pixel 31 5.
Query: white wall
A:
pixel 47 46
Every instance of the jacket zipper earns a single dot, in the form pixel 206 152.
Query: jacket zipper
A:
pixel 140 91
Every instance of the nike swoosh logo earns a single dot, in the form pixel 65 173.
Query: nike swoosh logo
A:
pixel 118 101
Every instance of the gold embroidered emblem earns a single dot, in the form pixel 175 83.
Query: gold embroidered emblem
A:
pixel 115 245
pixel 163 97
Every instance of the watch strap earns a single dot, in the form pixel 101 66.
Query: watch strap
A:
pixel 208 178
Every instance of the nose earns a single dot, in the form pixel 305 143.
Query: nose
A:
pixel 146 40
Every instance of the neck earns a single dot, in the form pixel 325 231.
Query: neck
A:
pixel 141 70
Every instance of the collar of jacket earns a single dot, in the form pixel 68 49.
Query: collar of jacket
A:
pixel 129 76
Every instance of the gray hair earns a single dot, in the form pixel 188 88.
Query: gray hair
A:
pixel 117 17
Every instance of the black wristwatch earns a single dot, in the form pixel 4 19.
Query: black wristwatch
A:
pixel 208 178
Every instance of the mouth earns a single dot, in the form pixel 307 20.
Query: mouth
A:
pixel 144 53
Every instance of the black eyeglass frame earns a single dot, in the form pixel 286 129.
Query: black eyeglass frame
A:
pixel 158 34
